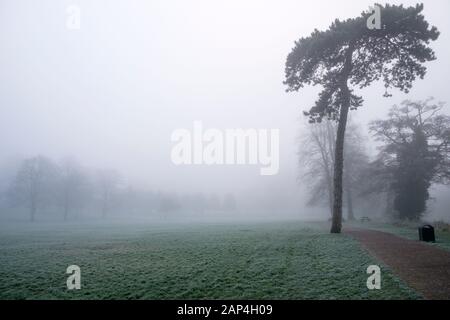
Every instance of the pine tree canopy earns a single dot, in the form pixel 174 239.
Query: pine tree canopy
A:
pixel 349 53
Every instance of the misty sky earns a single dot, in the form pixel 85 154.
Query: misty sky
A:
pixel 112 92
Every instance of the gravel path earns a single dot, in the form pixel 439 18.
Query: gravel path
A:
pixel 423 267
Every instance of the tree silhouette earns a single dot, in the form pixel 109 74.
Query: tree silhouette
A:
pixel 349 55
pixel 34 183
pixel 415 153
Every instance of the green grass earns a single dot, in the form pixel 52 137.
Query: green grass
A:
pixel 248 261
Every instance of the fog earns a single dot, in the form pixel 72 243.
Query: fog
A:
pixel 112 92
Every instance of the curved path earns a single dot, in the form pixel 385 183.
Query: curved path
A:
pixel 423 267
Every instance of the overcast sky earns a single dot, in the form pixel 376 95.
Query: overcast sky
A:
pixel 112 92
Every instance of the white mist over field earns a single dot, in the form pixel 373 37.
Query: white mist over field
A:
pixel 112 93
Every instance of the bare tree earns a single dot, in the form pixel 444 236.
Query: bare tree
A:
pixel 33 184
pixel 317 162
pixel 356 162
pixel 108 183
pixel 73 185
pixel 316 156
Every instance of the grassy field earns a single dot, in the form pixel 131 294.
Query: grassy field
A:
pixel 291 260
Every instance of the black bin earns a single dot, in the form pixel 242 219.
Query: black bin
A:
pixel 426 233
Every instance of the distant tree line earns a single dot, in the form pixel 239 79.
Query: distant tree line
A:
pixel 40 186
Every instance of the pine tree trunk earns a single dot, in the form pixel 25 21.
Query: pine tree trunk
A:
pixel 336 224
pixel 339 163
